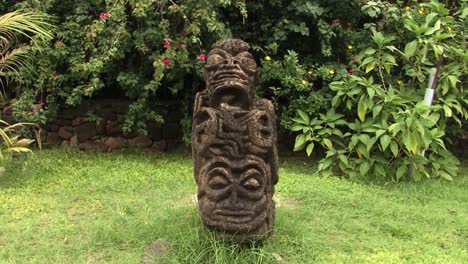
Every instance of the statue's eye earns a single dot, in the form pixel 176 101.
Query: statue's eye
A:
pixel 251 184
pixel 252 180
pixel 215 59
pixel 218 182
pixel 248 62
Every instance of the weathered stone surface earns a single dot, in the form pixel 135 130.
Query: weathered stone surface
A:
pixel 153 253
pixel 160 145
pixel 96 146
pixel 234 147
pixel 78 121
pixel 65 143
pixel 74 141
pixel 85 131
pixel 53 139
pixel 43 134
pixel 51 127
pixel 65 132
pixel 116 143
pixel 140 142
pixel 101 127
pixel 113 128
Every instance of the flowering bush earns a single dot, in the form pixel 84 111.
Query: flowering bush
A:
pixel 378 125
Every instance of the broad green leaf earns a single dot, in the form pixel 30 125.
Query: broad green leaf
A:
pixel 304 116
pixel 410 48
pixel 379 132
pixel 376 110
pixel 385 141
pixel 370 67
pixel 296 127
pixel 394 148
pixel 447 110
pixel 362 108
pixel 401 171
pixel 370 92
pixel 364 168
pixel 300 142
pixel 446 176
pixel 453 80
pixel 429 18
pixel 328 143
pixel 344 159
pixel 310 148
pixel 370 51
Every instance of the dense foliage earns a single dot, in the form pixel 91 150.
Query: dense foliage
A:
pixel 353 69
pixel 151 51
pixel 378 124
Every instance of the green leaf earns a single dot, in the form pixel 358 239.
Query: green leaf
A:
pixel 447 110
pixel 410 48
pixel 385 141
pixel 401 171
pixel 300 142
pixel 394 148
pixel 304 116
pixel 362 108
pixel 370 67
pixel 310 148
pixel 370 92
pixel 376 110
pixel 328 143
pixel 296 127
pixel 446 176
pixel 364 168
pixel 344 159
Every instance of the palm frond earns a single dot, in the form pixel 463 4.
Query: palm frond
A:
pixel 27 24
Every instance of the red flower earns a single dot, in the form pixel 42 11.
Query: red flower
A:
pixel 350 71
pixel 202 57
pixel 103 16
pixel 179 45
pixel 336 21
pixel 166 62
pixel 41 103
pixel 37 107
pixel 183 34
pixel 167 42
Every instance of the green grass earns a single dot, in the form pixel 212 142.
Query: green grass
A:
pixel 74 207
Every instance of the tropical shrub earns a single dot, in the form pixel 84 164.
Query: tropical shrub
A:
pixel 378 125
pixel 152 51
pixel 15 56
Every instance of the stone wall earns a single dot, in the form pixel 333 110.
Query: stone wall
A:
pixel 97 125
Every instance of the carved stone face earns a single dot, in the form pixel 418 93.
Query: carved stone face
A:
pixel 233 194
pixel 230 74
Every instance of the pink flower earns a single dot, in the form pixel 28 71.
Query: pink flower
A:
pixel 336 21
pixel 183 34
pixel 41 103
pixel 179 45
pixel 37 107
pixel 202 57
pixel 166 62
pixel 103 16
pixel 167 42
pixel 350 71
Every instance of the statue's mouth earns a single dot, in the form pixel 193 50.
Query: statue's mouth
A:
pixel 234 216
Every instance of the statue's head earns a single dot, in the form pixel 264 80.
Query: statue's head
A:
pixel 231 75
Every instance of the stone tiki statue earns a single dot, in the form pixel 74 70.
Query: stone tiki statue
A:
pixel 234 147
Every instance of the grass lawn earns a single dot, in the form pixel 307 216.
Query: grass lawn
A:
pixel 74 207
